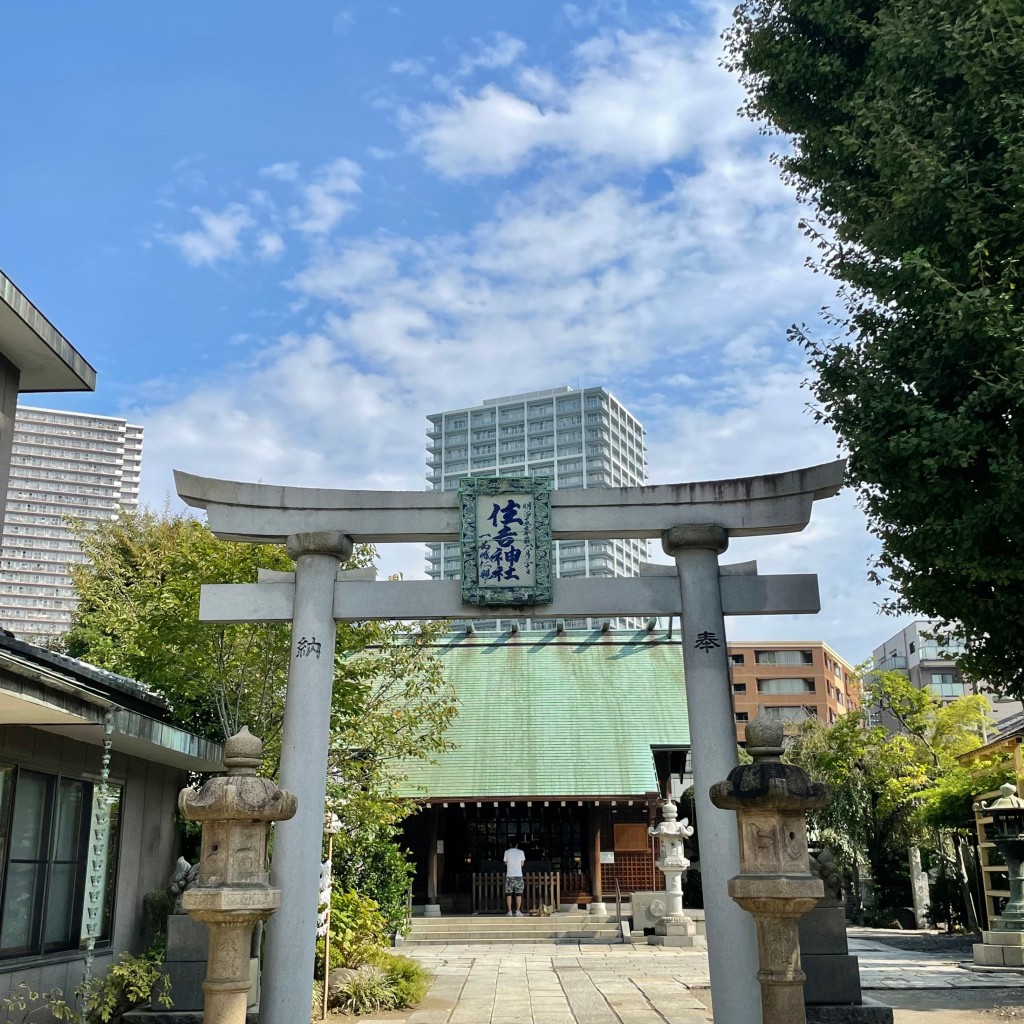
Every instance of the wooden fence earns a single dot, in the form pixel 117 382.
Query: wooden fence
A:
pixel 540 888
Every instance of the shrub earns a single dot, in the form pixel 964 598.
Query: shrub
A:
pixel 358 931
pixel 129 982
pixel 373 864
pixel 366 991
pixel 24 1003
pixel 409 980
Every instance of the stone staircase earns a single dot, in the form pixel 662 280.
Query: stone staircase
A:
pixel 569 927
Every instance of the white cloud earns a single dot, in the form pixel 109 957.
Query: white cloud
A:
pixel 343 22
pixel 271 245
pixel 636 100
pixel 653 250
pixel 218 236
pixel 323 205
pixel 287 170
pixel 593 14
pixel 409 66
pixel 502 52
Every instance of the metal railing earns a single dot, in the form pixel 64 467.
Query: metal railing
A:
pixel 618 910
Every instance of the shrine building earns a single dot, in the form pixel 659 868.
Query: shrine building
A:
pixel 566 740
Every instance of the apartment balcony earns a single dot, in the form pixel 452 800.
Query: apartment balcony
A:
pixel 892 662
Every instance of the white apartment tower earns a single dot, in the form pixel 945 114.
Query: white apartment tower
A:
pixel 578 438
pixel 64 465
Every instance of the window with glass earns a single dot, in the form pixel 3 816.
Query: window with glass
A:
pixel 790 714
pixel 47 857
pixel 785 686
pixel 784 658
pixel 943 685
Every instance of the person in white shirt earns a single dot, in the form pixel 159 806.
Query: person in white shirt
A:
pixel 514 858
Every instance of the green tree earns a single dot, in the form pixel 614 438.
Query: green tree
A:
pixel 138 615
pixel 906 124
pixel 882 780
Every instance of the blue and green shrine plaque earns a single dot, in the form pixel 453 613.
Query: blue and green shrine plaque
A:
pixel 506 540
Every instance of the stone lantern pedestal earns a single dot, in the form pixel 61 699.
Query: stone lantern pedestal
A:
pixel 233 892
pixel 774 884
pixel 674 928
pixel 1003 944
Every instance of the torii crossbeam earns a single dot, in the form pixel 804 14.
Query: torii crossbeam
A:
pixel 320 526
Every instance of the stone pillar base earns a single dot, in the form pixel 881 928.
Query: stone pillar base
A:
pixel 432 910
pixel 680 932
pixel 868 1012
pixel 600 909
pixel 833 975
pixel 1000 949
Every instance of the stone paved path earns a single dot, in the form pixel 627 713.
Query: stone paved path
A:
pixel 621 984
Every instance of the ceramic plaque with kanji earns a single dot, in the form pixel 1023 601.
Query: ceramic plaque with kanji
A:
pixel 506 540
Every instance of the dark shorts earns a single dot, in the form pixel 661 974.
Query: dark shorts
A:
pixel 514 885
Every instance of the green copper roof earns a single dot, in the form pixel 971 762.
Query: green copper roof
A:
pixel 543 715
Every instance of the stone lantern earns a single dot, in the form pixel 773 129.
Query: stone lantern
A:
pixel 1003 944
pixel 774 884
pixel 233 892
pixel 674 928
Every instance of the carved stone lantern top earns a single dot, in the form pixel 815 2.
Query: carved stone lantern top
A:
pixel 767 782
pixel 1007 813
pixel 670 826
pixel 236 810
pixel 239 795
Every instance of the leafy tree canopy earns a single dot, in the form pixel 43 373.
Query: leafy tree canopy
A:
pixel 138 614
pixel 906 121
pixel 886 784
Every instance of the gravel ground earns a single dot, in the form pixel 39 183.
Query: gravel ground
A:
pixel 956 947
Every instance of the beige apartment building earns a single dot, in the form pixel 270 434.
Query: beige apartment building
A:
pixel 794 680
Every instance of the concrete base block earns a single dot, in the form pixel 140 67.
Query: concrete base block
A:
pixel 187 938
pixel 1003 938
pixel 678 932
pixel 173 1017
pixel 823 930
pixel 598 909
pixel 868 1012
pixel 432 910
pixel 678 941
pixel 831 979
pixel 1012 925
pixel 987 954
pixel 186 978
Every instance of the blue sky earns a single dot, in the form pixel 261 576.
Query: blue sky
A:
pixel 284 236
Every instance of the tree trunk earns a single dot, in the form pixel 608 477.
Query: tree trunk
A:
pixel 965 886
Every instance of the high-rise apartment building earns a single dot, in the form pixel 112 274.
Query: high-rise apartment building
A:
pixel 64 465
pixel 577 438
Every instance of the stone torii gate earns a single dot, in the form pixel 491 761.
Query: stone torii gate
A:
pixel 319 528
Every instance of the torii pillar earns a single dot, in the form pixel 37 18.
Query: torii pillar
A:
pixel 291 934
pixel 732 939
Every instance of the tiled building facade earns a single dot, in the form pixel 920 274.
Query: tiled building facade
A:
pixel 794 680
pixel 575 438
pixel 64 466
